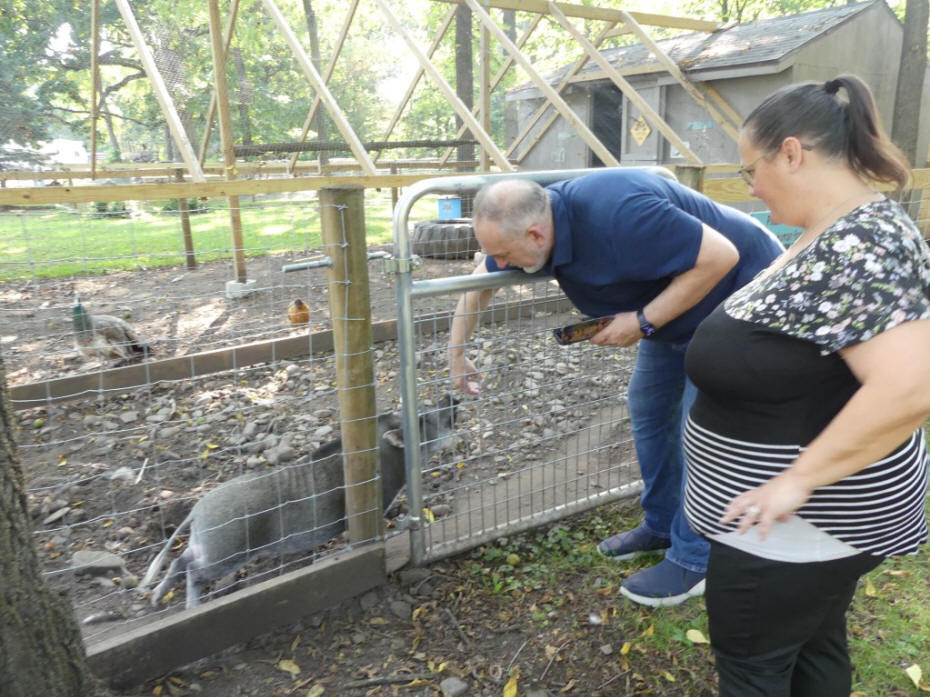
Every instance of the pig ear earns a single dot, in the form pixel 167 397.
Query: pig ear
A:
pixel 394 437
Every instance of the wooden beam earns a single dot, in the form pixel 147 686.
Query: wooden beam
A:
pixel 161 92
pixel 628 90
pixel 415 80
pixel 496 80
pixel 463 111
pixel 619 31
pixel 167 170
pixel 226 137
pixel 148 192
pixel 607 15
pixel 541 111
pixel 597 74
pixel 211 110
pixel 45 195
pixel 724 105
pixel 734 189
pixel 322 90
pixel 679 76
pixel 140 654
pixel 557 102
pixel 484 91
pixel 327 74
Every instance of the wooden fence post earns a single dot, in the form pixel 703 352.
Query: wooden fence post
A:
pixel 342 217
pixel 185 215
pixel 691 176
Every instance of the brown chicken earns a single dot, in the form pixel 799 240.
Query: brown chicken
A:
pixel 298 312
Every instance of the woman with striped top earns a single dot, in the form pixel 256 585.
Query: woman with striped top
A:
pixel 806 457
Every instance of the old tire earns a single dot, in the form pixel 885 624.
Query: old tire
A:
pixel 452 238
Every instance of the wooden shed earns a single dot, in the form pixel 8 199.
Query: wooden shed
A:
pixel 743 63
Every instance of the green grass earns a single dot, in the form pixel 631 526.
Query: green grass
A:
pixel 556 570
pixel 63 241
pixel 889 627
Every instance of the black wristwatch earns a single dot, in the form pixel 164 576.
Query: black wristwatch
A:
pixel 645 326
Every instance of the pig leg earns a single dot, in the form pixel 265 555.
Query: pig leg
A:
pixel 178 567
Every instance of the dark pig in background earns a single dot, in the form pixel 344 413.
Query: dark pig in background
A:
pixel 288 509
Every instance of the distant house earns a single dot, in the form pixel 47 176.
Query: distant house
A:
pixel 743 63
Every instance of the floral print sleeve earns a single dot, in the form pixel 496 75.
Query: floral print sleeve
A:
pixel 867 273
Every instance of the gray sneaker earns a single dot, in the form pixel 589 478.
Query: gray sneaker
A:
pixel 633 543
pixel 663 585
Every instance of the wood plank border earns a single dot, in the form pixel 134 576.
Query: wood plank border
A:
pixel 141 654
pixel 35 394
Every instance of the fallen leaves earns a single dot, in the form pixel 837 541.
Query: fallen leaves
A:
pixel 915 673
pixel 696 636
pixel 288 666
pixel 510 689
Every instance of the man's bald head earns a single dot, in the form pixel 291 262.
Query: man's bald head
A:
pixel 513 205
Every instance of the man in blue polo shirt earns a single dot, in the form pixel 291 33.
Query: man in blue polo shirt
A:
pixel 658 257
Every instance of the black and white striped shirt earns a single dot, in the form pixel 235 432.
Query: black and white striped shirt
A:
pixel 769 381
pixel 879 510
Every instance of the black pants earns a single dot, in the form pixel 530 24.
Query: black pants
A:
pixel 778 629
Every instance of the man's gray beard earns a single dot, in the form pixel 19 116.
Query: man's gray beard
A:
pixel 535 267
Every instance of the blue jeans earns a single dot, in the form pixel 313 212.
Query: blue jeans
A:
pixel 660 397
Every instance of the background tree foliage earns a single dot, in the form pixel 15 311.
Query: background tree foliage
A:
pixel 45 72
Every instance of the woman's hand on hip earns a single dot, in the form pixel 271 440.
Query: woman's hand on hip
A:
pixel 776 500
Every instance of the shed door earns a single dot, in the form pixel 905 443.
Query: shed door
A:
pixel 607 109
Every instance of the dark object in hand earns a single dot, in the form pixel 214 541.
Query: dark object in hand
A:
pixel 581 331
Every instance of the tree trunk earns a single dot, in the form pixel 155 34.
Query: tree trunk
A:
pixel 464 74
pixel 111 131
pixel 171 152
pixel 509 21
pixel 911 81
pixel 320 120
pixel 41 652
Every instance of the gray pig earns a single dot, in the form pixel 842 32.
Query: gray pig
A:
pixel 288 509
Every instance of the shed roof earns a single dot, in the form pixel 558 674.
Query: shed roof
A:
pixel 738 46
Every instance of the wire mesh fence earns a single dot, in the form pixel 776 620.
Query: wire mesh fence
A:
pixel 116 453
pixel 547 435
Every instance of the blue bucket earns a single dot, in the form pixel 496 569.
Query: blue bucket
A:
pixel 450 207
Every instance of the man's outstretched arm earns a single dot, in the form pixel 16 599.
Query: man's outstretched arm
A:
pixel 463 372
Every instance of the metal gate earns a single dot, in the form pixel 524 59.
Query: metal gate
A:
pixel 549 434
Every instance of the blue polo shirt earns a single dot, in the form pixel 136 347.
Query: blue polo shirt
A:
pixel 622 235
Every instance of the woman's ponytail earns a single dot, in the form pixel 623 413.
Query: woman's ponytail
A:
pixel 818 115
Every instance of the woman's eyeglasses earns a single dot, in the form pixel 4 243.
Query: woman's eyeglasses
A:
pixel 748 172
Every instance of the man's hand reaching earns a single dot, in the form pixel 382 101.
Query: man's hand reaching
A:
pixel 465 375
